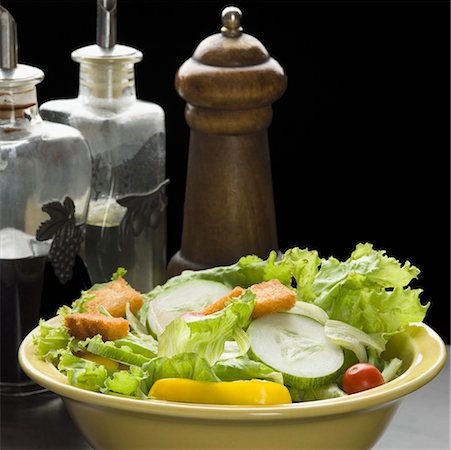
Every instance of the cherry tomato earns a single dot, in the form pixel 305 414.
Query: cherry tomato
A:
pixel 360 377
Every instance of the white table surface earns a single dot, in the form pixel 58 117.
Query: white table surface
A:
pixel 423 419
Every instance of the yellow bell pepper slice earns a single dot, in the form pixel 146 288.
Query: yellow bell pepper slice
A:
pixel 241 392
pixel 108 363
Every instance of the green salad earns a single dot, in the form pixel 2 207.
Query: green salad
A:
pixel 329 341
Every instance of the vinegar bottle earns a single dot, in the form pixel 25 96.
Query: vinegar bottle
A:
pixel 45 178
pixel 127 219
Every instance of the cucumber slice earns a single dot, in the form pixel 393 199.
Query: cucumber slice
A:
pixel 119 354
pixel 189 296
pixel 297 347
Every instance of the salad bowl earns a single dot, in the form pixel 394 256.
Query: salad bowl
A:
pixel 354 421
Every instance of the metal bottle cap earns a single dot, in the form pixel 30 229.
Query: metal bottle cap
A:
pixel 8 30
pixel 12 73
pixel 106 23
pixel 106 48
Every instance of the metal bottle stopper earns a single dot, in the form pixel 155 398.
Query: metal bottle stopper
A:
pixel 13 74
pixel 106 23
pixel 8 37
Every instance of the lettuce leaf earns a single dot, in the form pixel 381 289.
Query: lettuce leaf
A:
pixel 89 375
pixel 136 325
pixel 183 365
pixel 144 345
pixel 124 354
pixel 126 382
pixel 351 338
pixel 51 341
pixel 244 368
pixel 367 291
pixel 120 273
pixel 310 310
pixel 304 265
pixel 364 268
pixel 321 393
pixel 391 369
pixel 207 335
pixel 380 269
pixel 78 306
pixel 82 373
pixel 247 271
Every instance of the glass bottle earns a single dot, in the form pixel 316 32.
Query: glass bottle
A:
pixel 45 177
pixel 127 218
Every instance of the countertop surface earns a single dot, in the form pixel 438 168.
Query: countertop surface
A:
pixel 41 422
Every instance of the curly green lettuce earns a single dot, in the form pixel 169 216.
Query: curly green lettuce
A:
pixel 368 291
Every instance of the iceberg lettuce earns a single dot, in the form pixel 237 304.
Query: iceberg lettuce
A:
pixel 182 365
pixel 207 335
pixel 124 354
pixel 244 368
pixel 82 373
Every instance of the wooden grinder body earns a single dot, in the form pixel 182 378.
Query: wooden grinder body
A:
pixel 229 85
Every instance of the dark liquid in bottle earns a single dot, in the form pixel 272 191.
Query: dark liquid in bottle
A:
pixel 29 291
pixel 56 294
pixel 20 300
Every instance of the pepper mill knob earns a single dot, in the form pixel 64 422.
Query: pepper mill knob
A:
pixel 231 20
pixel 229 85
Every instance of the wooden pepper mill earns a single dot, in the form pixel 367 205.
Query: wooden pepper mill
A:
pixel 229 85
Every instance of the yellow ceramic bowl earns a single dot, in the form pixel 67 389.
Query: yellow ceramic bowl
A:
pixel 355 421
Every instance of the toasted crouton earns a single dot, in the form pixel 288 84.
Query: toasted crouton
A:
pixel 114 298
pixel 88 324
pixel 272 296
pixel 223 301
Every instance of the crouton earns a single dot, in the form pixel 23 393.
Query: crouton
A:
pixel 272 296
pixel 222 302
pixel 114 298
pixel 89 324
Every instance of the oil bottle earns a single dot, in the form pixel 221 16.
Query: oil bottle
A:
pixel 126 224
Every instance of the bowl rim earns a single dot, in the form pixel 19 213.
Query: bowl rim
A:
pixel 424 367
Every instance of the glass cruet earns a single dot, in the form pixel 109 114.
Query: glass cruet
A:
pixel 45 177
pixel 127 217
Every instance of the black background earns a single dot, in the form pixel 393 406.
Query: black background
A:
pixel 359 141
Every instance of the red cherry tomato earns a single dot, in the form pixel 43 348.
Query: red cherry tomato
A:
pixel 360 377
